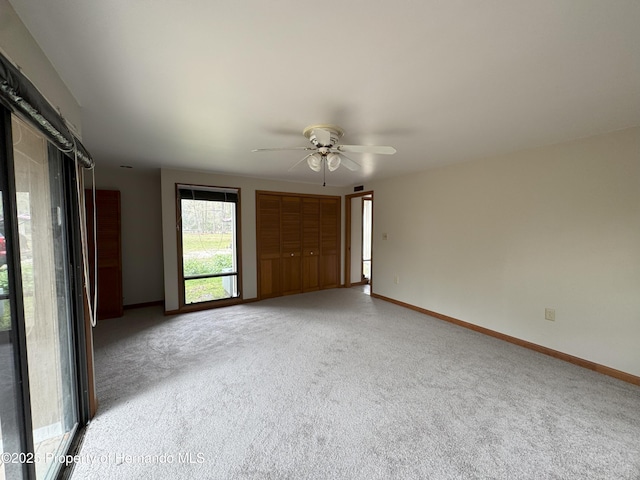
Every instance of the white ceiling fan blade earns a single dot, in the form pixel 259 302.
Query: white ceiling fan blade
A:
pixel 280 149
pixel 348 163
pixel 323 137
pixel 380 149
pixel 300 161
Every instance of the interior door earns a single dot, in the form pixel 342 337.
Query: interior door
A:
pixel 269 238
pixel 291 245
pixel 298 243
pixel 310 244
pixel 330 242
pixel 107 207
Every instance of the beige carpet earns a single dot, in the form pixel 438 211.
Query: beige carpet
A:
pixel 337 385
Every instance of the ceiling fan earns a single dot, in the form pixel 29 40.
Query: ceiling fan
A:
pixel 327 152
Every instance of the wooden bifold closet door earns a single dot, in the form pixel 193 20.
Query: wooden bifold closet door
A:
pixel 298 241
pixel 310 244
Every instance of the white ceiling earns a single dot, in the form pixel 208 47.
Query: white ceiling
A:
pixel 197 84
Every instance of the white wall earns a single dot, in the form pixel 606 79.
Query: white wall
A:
pixel 248 188
pixel 141 224
pixel 494 242
pixel 17 44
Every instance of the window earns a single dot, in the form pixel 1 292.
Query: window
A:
pixel 208 243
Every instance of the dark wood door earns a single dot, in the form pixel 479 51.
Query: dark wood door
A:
pixel 310 244
pixel 298 243
pixel 269 245
pixel 290 208
pixel 329 242
pixel 108 241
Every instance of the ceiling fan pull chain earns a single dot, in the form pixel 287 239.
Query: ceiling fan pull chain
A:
pixel 324 171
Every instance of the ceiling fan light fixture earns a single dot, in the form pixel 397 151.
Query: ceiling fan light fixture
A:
pixel 333 161
pixel 315 162
pixel 328 153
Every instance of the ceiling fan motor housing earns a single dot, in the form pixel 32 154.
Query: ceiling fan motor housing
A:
pixel 323 135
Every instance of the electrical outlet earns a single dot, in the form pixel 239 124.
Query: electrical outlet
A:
pixel 550 314
pixel 396 279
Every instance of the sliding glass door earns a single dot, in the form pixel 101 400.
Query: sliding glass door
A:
pixel 45 293
pixel 11 411
pixel 40 407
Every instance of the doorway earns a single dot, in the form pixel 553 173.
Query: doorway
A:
pixel 358 248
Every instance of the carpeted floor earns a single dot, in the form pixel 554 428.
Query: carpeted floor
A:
pixel 338 385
